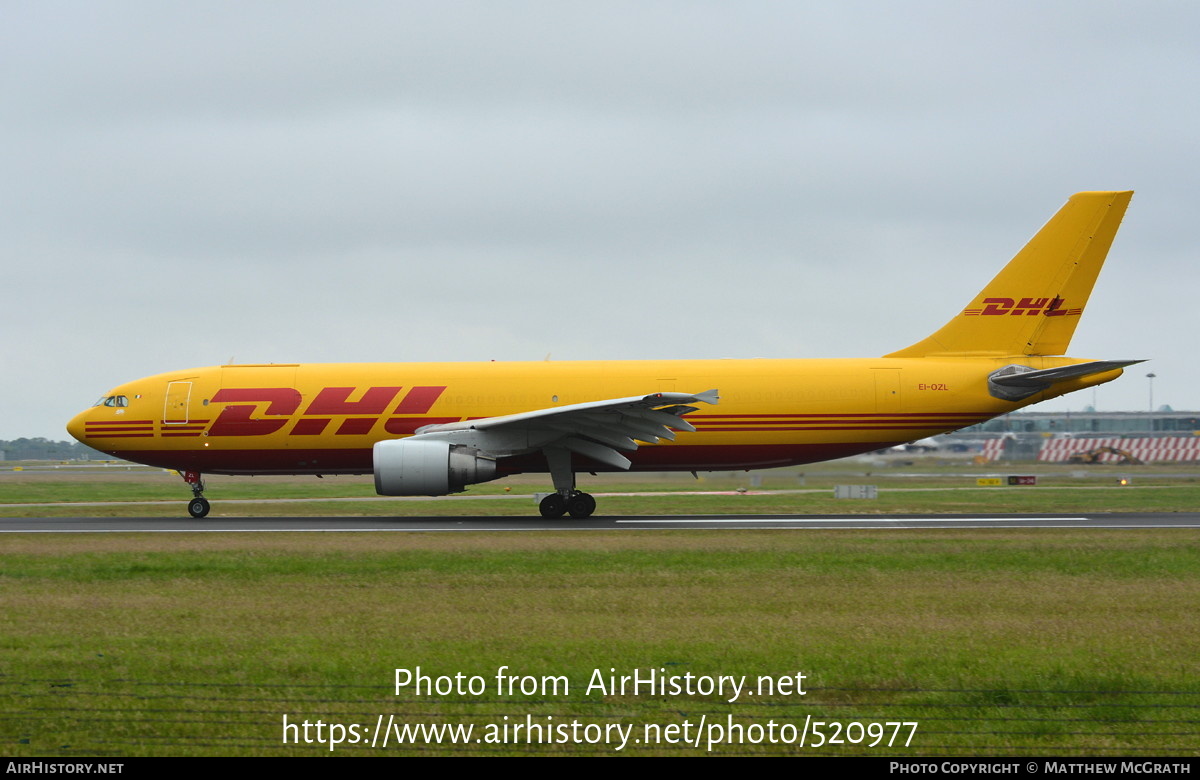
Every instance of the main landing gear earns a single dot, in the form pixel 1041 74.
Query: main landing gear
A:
pixel 198 506
pixel 576 504
pixel 566 499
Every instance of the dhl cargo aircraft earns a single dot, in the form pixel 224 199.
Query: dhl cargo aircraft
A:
pixel 434 428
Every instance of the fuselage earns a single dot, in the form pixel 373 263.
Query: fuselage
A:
pixel 325 418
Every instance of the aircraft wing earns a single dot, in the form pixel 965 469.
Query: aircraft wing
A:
pixel 600 430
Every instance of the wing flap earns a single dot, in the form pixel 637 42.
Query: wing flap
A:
pixel 665 419
pixel 597 452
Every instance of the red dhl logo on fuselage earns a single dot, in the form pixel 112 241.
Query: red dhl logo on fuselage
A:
pixel 246 415
pixel 1051 307
pixel 238 418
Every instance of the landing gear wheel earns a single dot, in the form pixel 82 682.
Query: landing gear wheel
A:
pixel 553 506
pixel 198 507
pixel 581 505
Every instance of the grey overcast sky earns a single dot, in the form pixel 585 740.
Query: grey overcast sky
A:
pixel 189 183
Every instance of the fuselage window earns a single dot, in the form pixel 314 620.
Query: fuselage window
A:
pixel 113 400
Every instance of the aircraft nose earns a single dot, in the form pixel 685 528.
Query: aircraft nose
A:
pixel 77 428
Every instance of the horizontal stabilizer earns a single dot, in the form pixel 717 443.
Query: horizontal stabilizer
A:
pixel 1015 382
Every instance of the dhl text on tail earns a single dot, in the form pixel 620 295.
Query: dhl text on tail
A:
pixel 434 428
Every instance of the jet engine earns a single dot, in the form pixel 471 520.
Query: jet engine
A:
pixel 413 467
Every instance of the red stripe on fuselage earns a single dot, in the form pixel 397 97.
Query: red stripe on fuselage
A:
pixel 118 429
pixel 679 457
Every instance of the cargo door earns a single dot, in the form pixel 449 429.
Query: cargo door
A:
pixel 175 405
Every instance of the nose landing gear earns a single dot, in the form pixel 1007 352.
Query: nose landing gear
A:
pixel 198 506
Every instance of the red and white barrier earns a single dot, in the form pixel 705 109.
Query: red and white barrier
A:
pixel 993 449
pixel 1175 449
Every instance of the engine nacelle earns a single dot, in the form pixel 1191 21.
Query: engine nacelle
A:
pixel 412 467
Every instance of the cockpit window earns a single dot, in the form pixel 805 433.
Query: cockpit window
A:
pixel 113 400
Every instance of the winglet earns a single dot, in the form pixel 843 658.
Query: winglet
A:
pixel 1034 303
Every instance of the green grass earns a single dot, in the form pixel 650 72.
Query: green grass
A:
pixel 995 642
pixel 937 488
pixel 1037 500
pixel 1015 643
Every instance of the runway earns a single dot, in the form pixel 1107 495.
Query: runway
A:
pixel 658 522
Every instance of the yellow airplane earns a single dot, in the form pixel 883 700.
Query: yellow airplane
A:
pixel 434 428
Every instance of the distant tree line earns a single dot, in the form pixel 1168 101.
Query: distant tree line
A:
pixel 44 449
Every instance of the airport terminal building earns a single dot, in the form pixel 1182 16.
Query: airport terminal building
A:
pixel 1087 436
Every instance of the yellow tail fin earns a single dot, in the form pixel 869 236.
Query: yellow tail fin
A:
pixel 1034 303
